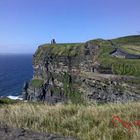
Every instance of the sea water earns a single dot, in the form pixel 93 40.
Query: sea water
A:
pixel 15 69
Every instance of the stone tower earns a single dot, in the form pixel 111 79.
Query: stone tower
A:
pixel 53 41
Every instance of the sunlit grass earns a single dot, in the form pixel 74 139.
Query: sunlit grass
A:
pixel 132 49
pixel 87 122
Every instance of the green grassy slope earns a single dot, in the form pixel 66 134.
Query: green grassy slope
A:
pixel 36 83
pixel 132 49
pixel 119 66
pixel 63 49
pixel 131 40
pixel 130 44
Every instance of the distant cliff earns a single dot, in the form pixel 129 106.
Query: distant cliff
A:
pixel 84 71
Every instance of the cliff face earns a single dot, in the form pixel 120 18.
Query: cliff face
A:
pixel 74 72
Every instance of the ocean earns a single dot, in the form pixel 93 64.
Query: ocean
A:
pixel 14 71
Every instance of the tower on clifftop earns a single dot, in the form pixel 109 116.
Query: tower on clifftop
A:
pixel 53 41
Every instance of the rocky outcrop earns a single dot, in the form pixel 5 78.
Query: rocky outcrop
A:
pixel 7 133
pixel 64 72
pixel 103 90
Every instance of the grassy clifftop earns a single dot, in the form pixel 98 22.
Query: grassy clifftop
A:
pixel 120 66
pixel 134 39
pixel 65 49
pixel 130 44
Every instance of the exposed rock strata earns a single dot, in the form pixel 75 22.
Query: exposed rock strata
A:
pixel 58 75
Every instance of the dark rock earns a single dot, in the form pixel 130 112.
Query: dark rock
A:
pixel 24 91
pixel 7 133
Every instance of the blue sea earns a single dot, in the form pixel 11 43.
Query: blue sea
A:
pixel 14 71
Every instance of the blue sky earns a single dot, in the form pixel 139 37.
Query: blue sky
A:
pixel 24 24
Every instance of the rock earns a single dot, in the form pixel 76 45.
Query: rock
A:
pixel 59 72
pixel 8 133
pixel 24 91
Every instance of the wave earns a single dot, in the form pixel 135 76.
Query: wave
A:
pixel 14 97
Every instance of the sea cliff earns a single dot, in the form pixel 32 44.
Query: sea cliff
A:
pixel 78 72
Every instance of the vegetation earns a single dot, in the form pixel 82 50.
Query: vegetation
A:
pixel 119 66
pixel 129 40
pixel 66 49
pixel 123 68
pixel 36 83
pixel 70 91
pixel 76 98
pixel 90 122
pixel 132 49
pixel 7 101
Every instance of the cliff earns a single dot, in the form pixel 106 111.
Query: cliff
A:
pixel 84 71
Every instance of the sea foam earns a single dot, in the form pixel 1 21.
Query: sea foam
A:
pixel 15 97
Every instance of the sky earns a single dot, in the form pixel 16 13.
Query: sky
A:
pixel 25 24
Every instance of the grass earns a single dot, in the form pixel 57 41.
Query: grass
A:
pixel 119 66
pixel 132 49
pixel 129 40
pixel 65 49
pixel 86 122
pixel 36 83
pixel 4 101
